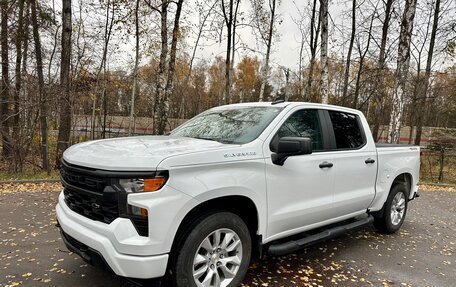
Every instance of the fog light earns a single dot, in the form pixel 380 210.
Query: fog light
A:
pixel 138 211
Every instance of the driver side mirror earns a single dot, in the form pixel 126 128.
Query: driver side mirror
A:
pixel 291 146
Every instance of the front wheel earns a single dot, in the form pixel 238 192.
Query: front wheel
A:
pixel 215 253
pixel 394 211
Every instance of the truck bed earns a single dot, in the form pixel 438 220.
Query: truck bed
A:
pixel 394 159
pixel 384 145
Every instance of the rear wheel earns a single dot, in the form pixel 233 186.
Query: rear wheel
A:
pixel 394 211
pixel 215 253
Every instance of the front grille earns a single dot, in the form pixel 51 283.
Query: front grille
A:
pixel 85 194
pixel 93 207
pixel 82 178
pixel 90 193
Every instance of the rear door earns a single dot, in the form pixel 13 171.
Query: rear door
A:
pixel 300 193
pixel 355 163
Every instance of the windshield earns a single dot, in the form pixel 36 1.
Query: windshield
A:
pixel 233 125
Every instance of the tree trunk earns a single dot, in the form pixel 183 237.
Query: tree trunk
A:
pixel 28 113
pixel 18 160
pixel 135 71
pixel 233 40
pixel 268 50
pixel 324 82
pixel 300 69
pixel 164 106
pixel 229 26
pixel 441 163
pixel 287 83
pixel 5 95
pixel 161 81
pixel 379 88
pixel 314 31
pixel 41 89
pixel 104 94
pixel 350 49
pixel 102 68
pixel 422 103
pixel 403 61
pixel 63 140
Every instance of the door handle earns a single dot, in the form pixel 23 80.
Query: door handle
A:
pixel 369 160
pixel 326 164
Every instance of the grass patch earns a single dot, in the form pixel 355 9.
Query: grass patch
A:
pixel 28 175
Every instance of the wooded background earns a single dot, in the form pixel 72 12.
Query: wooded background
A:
pixel 394 60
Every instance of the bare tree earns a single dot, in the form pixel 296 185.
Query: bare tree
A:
pixel 164 104
pixel 324 86
pixel 135 70
pixel 418 44
pixel 315 24
pixel 229 15
pixel 403 62
pixel 266 33
pixel 161 77
pixel 5 88
pixel 63 140
pixel 422 102
pixel 349 53
pixel 18 83
pixel 303 31
pixel 204 16
pixel 41 89
pixel 233 34
pixel 362 57
pixel 378 89
pixel 165 82
pixel 109 23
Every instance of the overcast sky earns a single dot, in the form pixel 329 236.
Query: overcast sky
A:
pixel 285 50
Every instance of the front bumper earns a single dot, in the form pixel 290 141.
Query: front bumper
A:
pixel 88 244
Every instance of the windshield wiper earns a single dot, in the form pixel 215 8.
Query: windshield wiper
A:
pixel 214 139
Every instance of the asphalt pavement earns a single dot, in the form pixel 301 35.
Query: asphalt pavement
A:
pixel 421 254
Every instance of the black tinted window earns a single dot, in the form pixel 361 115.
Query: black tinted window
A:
pixel 346 130
pixel 303 123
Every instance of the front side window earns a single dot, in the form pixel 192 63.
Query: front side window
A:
pixel 303 123
pixel 347 130
pixel 232 125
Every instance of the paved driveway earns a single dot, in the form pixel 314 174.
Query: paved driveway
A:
pixel 421 254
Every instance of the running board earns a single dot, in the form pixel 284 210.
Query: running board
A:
pixel 283 248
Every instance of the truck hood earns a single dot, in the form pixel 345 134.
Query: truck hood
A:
pixel 143 153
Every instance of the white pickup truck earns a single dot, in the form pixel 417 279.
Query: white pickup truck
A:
pixel 229 184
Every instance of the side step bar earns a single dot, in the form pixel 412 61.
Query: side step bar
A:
pixel 280 249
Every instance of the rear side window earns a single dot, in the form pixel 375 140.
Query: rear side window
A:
pixel 347 130
pixel 303 123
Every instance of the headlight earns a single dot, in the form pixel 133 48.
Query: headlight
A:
pixel 135 185
pixel 140 185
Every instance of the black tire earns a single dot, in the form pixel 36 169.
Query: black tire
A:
pixel 181 274
pixel 383 220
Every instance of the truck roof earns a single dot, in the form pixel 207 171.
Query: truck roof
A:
pixel 291 105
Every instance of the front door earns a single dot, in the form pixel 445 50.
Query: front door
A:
pixel 300 193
